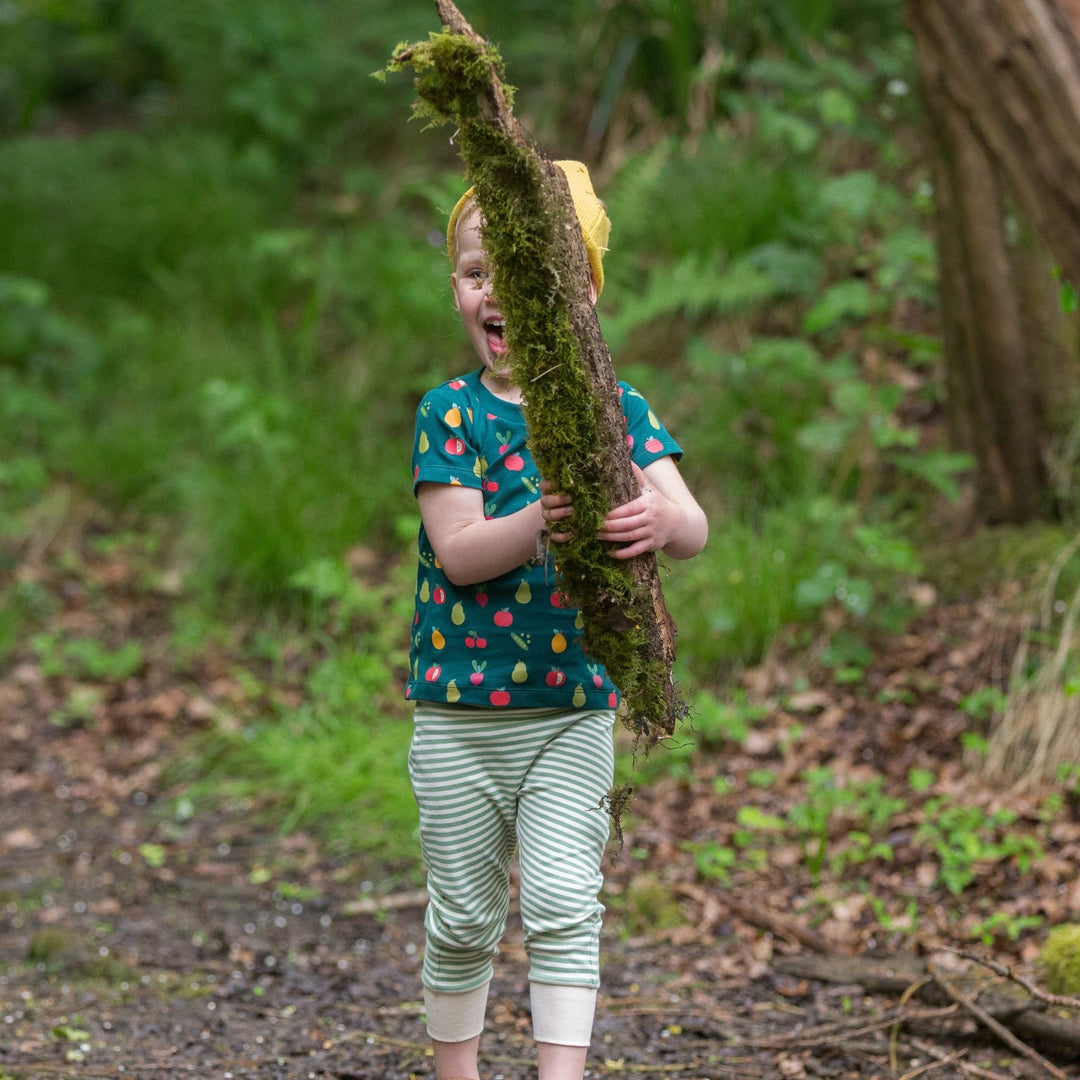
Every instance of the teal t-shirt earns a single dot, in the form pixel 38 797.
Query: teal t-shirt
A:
pixel 510 641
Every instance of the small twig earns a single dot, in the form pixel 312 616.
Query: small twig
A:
pixel 894 1035
pixel 828 1034
pixel 1007 973
pixel 372 905
pixel 964 1066
pixel 997 1028
pixel 537 378
pixel 938 1063
pixel 767 921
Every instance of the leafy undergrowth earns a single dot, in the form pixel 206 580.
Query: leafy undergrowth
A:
pixel 831 807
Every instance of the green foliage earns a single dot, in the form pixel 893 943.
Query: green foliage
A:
pixel 85 658
pixel 963 836
pixel 339 757
pixel 222 298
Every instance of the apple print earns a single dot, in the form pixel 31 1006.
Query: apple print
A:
pixel 438 594
pixel 514 462
pixel 503 617
pixel 653 445
pixel 455 446
pixel 560 599
pixel 456 384
pixel 433 673
pixel 555 677
pixel 499 697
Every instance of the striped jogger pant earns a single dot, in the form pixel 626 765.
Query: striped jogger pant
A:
pixel 486 781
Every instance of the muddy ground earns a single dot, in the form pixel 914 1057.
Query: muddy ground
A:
pixel 136 945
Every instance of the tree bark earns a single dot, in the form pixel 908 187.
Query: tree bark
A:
pixel 1001 80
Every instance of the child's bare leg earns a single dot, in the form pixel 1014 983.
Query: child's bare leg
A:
pixel 561 1062
pixel 456 1059
pixel 455 1023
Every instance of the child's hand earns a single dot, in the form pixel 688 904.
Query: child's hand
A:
pixel 555 507
pixel 641 525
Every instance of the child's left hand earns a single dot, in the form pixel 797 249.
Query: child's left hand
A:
pixel 664 516
pixel 641 525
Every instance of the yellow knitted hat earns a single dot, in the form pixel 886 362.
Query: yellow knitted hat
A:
pixel 591 215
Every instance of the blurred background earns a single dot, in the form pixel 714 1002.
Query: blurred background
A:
pixel 223 290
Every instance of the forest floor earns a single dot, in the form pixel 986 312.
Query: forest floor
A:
pixel 137 942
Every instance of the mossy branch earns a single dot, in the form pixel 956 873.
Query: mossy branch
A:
pixel 577 431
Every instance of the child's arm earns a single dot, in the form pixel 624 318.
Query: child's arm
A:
pixel 664 517
pixel 471 548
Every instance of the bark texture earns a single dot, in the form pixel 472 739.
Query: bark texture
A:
pixel 1001 80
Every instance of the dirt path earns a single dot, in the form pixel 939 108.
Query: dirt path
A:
pixel 134 944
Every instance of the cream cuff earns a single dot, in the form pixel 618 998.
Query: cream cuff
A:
pixel 562 1014
pixel 455 1017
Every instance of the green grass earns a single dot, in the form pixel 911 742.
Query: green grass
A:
pixel 217 319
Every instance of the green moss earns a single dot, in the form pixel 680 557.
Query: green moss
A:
pixel 1059 960
pixel 562 412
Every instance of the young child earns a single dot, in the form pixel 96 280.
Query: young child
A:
pixel 512 745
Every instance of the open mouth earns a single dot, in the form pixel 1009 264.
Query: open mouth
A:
pixel 495 329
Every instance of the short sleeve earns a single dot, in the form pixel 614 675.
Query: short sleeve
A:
pixel 444 446
pixel 648 438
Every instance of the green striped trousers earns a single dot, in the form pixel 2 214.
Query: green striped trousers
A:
pixel 486 781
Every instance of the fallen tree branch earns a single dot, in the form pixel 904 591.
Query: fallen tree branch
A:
pixel 995 1026
pixel 1003 1006
pixel 559 357
pixel 1007 973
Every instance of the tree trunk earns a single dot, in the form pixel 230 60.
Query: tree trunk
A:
pixel 1001 80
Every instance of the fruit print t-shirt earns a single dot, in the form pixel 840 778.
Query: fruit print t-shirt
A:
pixel 508 641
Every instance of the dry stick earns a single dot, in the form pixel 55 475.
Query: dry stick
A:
pixel 938 1063
pixel 781 927
pixel 1008 973
pixel 964 1066
pixel 828 1034
pixel 894 1035
pixel 997 1028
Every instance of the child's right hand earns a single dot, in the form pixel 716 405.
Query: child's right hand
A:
pixel 555 506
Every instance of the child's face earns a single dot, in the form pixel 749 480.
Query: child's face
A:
pixel 471 282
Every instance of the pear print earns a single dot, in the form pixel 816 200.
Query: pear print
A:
pixel 457 614
pixel 520 673
pixel 424 442
pixel 452 692
pixel 558 642
pixel 437 640
pixel 425 592
pixel 579 696
pixel 524 593
pixel 453 416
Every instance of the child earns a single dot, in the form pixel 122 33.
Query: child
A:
pixel 512 743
